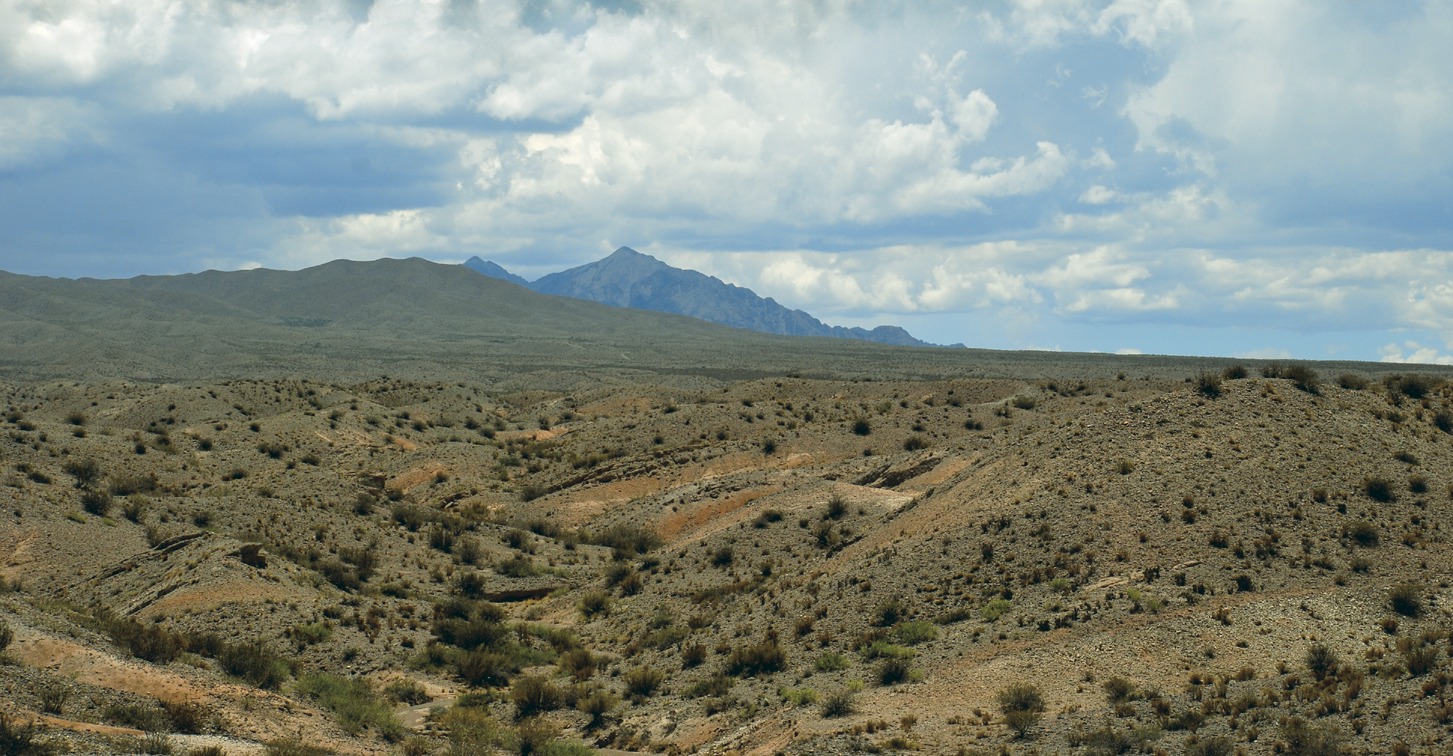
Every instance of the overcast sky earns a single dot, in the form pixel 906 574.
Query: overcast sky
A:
pixel 1247 178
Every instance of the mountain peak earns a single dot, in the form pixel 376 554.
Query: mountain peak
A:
pixel 628 278
pixel 494 270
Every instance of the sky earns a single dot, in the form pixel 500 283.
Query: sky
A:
pixel 1246 178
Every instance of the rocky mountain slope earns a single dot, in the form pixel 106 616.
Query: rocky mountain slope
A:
pixel 627 278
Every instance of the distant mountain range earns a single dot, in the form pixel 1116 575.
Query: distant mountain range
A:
pixel 628 278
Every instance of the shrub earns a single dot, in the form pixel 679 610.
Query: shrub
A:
pixel 597 705
pixel 519 566
pixel 1321 661
pixel 995 609
pixel 1118 690
pixel 594 604
pixel 1379 489
pixel 1421 660
pixel 87 472
pixel 627 541
pixel 893 670
pixel 915 443
pixel 1022 705
pixel 484 668
pixel 19 739
pixel 760 658
pixel 1208 385
pixel 187 717
pixel 354 703
pixel 407 692
pixel 1303 378
pixel 1406 599
pixel 1363 532
pixel 294 746
pixel 256 663
pixel 579 663
pixel 97 502
pixel 642 682
pixel 1311 740
pixel 1413 386
pixel 133 484
pixel 862 427
pixel 716 685
pixel 534 695
pixel 6 635
pixel 916 632
pixel 798 696
pixel 692 655
pixel 1219 745
pixel 1352 381
pixel 830 661
pixel 154 743
pixel 840 703
pixel 311 634
pixel 1234 372
pixel 888 612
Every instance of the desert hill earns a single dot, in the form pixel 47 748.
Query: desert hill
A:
pixel 786 564
pixel 627 278
pixel 399 507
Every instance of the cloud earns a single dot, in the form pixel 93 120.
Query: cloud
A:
pixel 1093 172
pixel 1415 353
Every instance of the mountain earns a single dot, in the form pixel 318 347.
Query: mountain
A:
pixel 348 320
pixel 628 278
pixel 494 270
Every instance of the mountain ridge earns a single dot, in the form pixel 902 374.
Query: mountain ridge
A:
pixel 627 278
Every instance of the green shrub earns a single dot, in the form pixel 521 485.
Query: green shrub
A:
pixel 995 609
pixel 642 682
pixel 311 634
pixel 294 746
pixel 916 632
pixel 597 705
pixel 6 635
pixel 893 670
pixel 186 717
pixel 716 685
pixel 479 669
pixel 862 427
pixel 594 604
pixel 764 657
pixel 254 662
pixel 354 702
pixel 407 692
pixel 830 661
pixel 533 695
pixel 798 696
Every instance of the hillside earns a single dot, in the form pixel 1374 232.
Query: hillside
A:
pixel 627 278
pixel 399 507
pixel 772 565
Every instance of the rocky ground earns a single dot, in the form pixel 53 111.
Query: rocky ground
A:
pixel 1197 564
